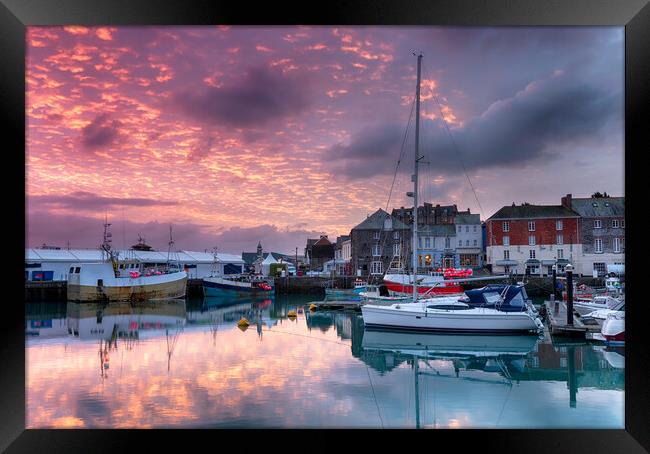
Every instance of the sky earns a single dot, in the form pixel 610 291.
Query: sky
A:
pixel 234 135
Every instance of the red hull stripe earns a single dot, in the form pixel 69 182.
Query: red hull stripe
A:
pixel 401 288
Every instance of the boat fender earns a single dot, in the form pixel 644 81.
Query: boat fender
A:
pixel 313 307
pixel 243 322
pixel 292 314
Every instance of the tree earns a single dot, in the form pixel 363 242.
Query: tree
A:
pixel 598 195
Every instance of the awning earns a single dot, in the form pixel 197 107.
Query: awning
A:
pixel 562 261
pixel 548 262
pixel 532 262
pixel 506 263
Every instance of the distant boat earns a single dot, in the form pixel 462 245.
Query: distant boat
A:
pixel 104 281
pixel 236 285
pixel 352 293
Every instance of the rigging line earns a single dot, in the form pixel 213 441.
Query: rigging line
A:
pixel 401 154
pixel 460 158
pixel 375 397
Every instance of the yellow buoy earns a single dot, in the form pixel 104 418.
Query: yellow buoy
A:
pixel 313 307
pixel 292 314
pixel 243 322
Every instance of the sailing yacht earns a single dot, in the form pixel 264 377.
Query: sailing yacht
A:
pixel 488 311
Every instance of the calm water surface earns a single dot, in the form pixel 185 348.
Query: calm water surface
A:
pixel 187 364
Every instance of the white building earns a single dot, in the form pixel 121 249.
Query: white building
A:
pixel 55 264
pixel 469 240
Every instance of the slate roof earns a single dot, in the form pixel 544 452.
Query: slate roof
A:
pixel 533 211
pixel 466 218
pixel 604 207
pixel 437 230
pixel 251 257
pixel 376 222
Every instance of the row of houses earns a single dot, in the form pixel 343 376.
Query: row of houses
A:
pixel 587 232
pixel 530 239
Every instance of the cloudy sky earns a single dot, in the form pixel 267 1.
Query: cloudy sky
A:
pixel 239 134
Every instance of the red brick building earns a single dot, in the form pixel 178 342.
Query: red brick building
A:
pixel 532 238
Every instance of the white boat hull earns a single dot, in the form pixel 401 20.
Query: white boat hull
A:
pixel 478 320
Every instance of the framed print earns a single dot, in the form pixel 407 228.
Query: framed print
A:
pixel 380 217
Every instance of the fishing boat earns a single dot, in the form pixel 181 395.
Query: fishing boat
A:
pixel 111 281
pixel 234 285
pixel 241 285
pixel 507 311
pixel 441 282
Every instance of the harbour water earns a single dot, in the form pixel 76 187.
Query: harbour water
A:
pixel 188 364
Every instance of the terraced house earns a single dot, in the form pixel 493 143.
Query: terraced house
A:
pixel 376 242
pixel 602 230
pixel 530 239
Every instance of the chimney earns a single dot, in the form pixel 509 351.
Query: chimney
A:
pixel 566 201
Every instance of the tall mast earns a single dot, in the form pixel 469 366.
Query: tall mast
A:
pixel 415 183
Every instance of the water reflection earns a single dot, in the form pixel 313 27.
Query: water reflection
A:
pixel 185 363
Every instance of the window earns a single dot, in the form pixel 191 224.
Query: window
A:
pixel 506 240
pixel 474 229
pixel 475 243
pixel 560 253
pixel 623 244
pixel 467 229
pixel 506 254
pixel 598 245
pixel 77 270
pixel 466 243
pixel 622 223
pixel 427 242
pixel 376 250
pixel 600 268
pixel 460 228
pixel 617 245
pixel 376 267
pixel 71 269
pixel 531 240
pixel 558 224
pixel 506 226
pixel 560 239
pixel 397 250
pixel 598 224
pixel 420 242
pixel 377 235
pixel 460 243
pixel 531 226
pixel 396 235
pixel 531 253
pixel 469 260
pixel 447 242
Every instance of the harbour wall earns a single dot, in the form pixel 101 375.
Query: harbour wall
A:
pixel 535 286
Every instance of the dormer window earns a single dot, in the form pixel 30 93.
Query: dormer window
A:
pixel 598 224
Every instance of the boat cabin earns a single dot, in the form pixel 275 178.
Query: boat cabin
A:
pixel 507 298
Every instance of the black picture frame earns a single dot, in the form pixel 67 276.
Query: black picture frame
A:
pixel 634 15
